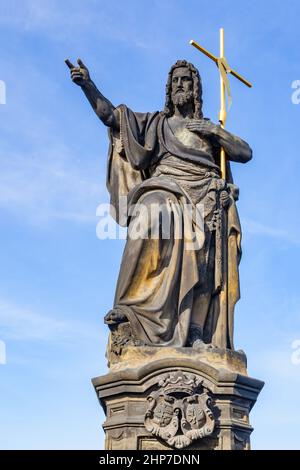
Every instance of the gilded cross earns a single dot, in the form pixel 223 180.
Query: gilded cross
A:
pixel 224 69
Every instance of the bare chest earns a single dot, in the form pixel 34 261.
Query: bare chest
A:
pixel 187 137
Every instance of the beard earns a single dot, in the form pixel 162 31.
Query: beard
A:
pixel 182 98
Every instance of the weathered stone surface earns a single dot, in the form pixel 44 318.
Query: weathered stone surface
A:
pixel 135 356
pixel 143 373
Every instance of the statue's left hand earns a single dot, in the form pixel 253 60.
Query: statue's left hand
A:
pixel 224 199
pixel 204 127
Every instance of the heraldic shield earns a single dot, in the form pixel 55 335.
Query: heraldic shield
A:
pixel 179 411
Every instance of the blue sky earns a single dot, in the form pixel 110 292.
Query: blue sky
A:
pixel 56 278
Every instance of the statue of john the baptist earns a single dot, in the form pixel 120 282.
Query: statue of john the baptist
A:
pixel 167 293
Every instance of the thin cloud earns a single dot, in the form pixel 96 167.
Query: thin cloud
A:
pixel 68 20
pixel 257 228
pixel 24 324
pixel 48 187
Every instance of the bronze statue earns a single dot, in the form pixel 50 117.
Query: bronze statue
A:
pixel 168 294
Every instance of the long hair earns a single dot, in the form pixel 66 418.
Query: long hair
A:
pixel 197 89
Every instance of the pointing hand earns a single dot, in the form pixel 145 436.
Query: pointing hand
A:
pixel 79 75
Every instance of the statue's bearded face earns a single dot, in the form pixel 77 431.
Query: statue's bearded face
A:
pixel 182 86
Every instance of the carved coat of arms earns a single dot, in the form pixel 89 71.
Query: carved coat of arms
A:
pixel 179 411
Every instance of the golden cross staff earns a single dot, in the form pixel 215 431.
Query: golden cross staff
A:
pixel 224 69
pixel 224 321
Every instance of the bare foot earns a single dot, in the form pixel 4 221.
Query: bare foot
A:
pixel 198 344
pixel 113 317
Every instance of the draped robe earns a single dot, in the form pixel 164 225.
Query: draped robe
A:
pixel 161 281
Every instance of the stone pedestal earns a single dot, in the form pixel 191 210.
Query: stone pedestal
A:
pixel 177 398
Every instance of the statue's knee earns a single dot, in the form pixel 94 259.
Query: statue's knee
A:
pixel 154 198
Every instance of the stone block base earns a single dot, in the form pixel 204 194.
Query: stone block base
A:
pixel 177 398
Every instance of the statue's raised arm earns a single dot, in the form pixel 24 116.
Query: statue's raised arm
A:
pixel 104 109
